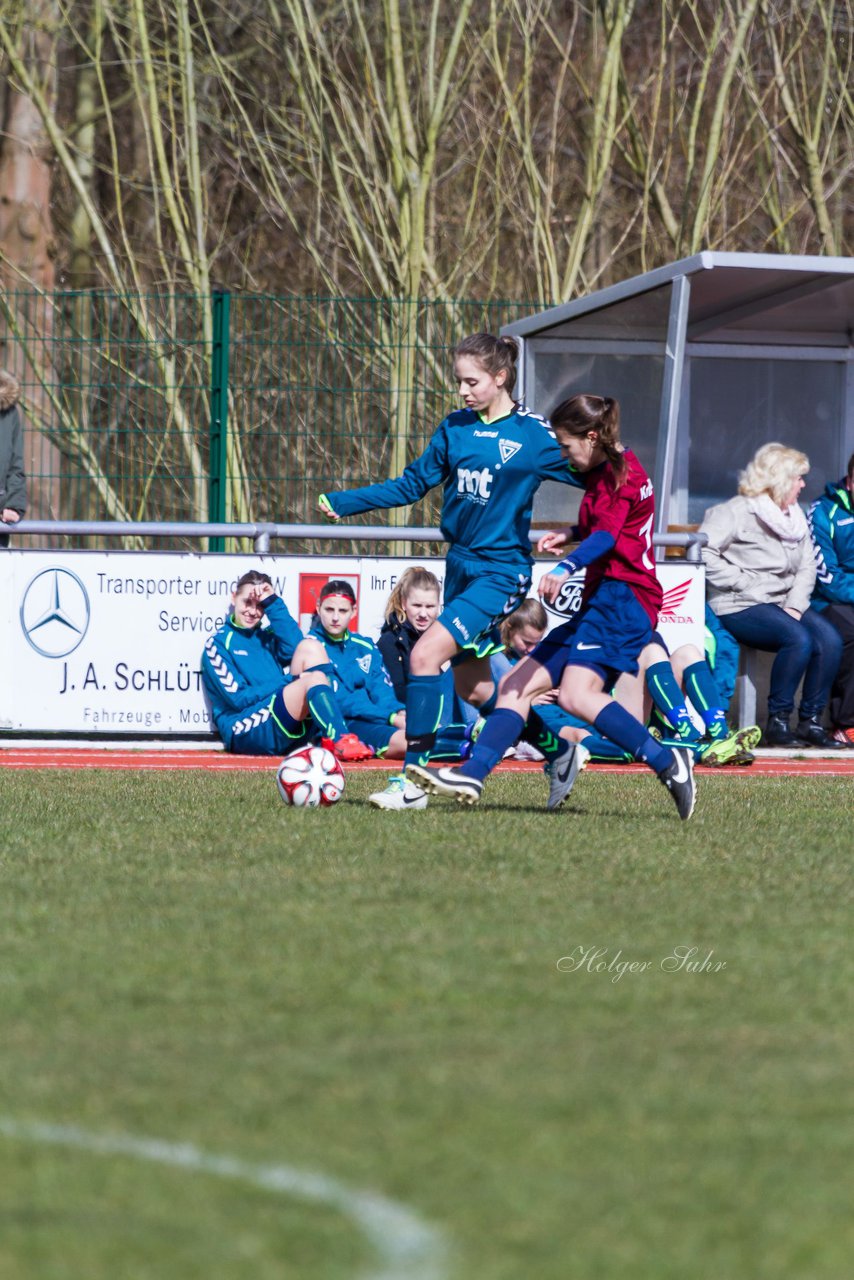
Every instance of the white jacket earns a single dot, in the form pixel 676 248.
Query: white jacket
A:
pixel 747 563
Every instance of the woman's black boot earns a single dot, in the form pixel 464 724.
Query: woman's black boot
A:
pixel 813 734
pixel 778 733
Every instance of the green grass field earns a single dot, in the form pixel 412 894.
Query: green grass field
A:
pixel 377 999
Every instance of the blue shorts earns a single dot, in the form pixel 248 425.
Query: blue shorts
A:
pixel 269 729
pixel 607 635
pixel 479 594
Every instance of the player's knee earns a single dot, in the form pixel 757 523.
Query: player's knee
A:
pixel 424 662
pixel 309 679
pixel 308 653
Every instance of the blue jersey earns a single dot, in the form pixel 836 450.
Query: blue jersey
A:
pixel 360 681
pixel 831 520
pixel 490 473
pixel 243 667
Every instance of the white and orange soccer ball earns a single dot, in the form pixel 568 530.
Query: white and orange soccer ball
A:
pixel 310 777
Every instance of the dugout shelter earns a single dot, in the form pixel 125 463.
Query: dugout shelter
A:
pixel 710 357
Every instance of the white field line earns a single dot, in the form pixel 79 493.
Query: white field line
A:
pixel 408 1249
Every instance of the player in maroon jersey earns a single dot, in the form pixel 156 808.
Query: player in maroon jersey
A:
pixel 619 610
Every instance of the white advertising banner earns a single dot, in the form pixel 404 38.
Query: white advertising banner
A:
pixel 110 642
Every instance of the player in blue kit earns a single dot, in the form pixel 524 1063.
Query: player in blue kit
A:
pixel 490 457
pixel 256 707
pixel 619 608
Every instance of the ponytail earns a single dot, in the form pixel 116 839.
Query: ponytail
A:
pixel 582 413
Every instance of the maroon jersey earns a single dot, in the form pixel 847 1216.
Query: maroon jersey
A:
pixel 627 514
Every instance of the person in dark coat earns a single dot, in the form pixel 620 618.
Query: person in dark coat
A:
pixel 13 482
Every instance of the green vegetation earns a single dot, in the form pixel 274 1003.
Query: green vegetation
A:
pixel 377 998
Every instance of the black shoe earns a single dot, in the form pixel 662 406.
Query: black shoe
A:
pixel 813 734
pixel 679 780
pixel 778 733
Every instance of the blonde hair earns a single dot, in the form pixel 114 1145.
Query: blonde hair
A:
pixel 415 579
pixel 772 469
pixel 10 390
pixel 530 613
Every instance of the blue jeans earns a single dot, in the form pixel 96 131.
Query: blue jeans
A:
pixel 809 648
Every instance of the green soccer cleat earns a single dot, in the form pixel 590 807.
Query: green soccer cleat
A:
pixel 721 751
pixel 749 739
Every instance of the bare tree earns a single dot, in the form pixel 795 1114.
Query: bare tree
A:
pixel 410 154
pixel 27 246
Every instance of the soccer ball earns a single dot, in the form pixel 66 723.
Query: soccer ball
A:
pixel 310 777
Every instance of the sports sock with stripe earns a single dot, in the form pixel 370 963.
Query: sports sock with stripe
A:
pixel 667 696
pixel 325 712
pixel 703 691
pixel 537 732
pixel 424 706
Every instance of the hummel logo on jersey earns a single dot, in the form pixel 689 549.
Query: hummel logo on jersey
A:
pixel 364 664
pixel 490 435
pixel 508 449
pixel 477 484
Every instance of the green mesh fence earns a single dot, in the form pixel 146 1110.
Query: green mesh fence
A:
pixel 231 407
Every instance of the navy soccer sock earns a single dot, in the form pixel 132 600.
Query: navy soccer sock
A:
pixel 614 722
pixel 667 696
pixel 289 725
pixel 703 692
pixel 501 731
pixel 424 706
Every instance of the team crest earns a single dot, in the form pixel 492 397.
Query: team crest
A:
pixel 508 449
pixel 364 664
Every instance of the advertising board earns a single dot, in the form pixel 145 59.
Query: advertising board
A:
pixel 109 643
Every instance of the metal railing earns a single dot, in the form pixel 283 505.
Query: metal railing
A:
pixel 262 534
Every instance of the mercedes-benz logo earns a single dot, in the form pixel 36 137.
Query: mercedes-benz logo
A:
pixel 55 612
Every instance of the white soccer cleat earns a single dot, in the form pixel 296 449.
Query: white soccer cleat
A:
pixel 399 794
pixel 563 771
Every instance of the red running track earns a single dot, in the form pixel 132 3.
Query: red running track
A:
pixel 219 762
